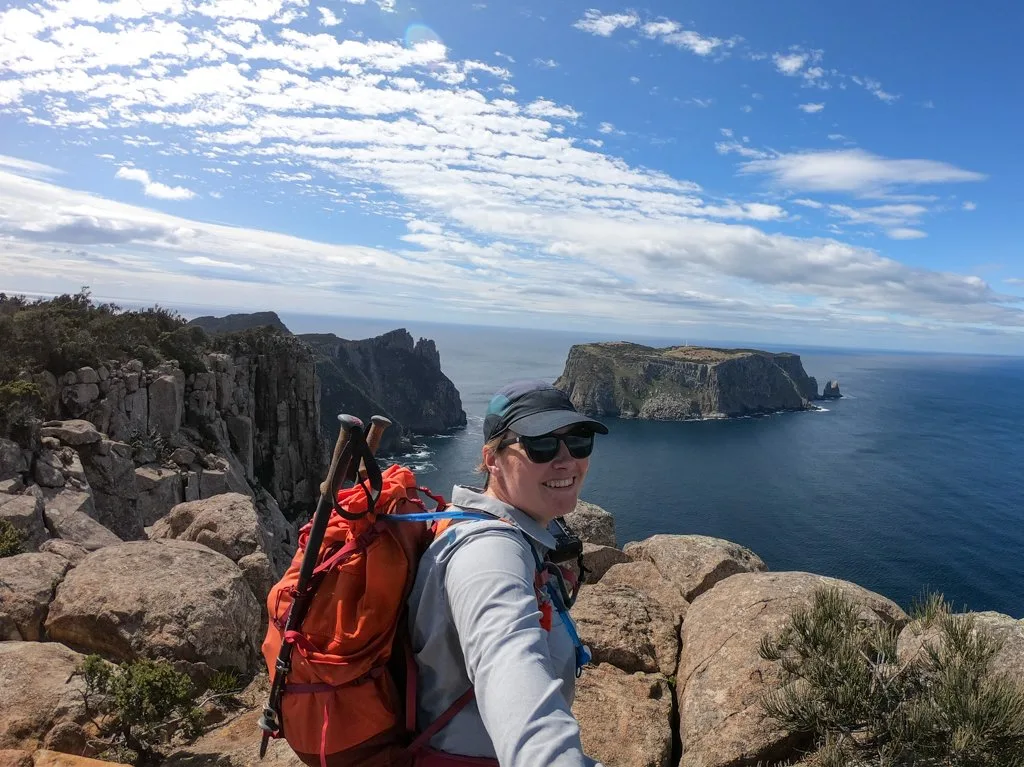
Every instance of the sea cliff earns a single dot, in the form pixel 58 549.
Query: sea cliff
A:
pixel 630 380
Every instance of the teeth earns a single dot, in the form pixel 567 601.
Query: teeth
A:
pixel 560 482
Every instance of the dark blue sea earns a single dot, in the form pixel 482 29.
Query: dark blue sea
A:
pixel 913 481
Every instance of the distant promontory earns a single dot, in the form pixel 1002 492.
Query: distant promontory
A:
pixel 678 383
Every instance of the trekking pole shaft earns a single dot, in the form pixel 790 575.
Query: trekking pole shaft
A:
pixel 378 424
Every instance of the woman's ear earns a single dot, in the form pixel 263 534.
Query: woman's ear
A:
pixel 490 460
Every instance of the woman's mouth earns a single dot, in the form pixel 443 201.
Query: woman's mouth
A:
pixel 560 484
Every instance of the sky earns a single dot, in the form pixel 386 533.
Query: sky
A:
pixel 787 172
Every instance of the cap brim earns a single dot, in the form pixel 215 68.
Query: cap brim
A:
pixel 539 424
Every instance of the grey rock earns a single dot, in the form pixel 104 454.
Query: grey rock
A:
pixel 72 552
pixel 87 375
pixel 625 719
pixel 25 514
pixel 183 456
pixel 166 405
pixel 11 486
pixel 110 471
pixel 70 514
pixel 12 462
pixel 72 432
pixel 77 399
pixel 694 563
pixel 592 524
pixel 38 692
pixel 200 611
pixel 47 469
pixel 27 583
pixel 160 490
pixel 831 391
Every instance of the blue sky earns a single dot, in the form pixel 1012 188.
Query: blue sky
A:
pixel 789 172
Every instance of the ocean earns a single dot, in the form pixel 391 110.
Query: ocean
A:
pixel 913 482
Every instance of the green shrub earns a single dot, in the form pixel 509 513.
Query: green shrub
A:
pixel 845 688
pixel 11 540
pixel 140 705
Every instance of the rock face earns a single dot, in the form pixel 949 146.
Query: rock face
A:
pixel 388 375
pixel 25 514
pixel 592 524
pixel 199 610
pixel 1009 661
pixel 625 719
pixel 27 583
pixel 37 692
pixel 694 563
pixel 721 676
pixel 233 323
pixel 683 382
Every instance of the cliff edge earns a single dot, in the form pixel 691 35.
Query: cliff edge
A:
pixel 677 383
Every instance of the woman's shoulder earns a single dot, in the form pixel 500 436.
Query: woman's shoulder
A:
pixel 493 543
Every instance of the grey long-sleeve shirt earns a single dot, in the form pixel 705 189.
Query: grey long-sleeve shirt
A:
pixel 475 622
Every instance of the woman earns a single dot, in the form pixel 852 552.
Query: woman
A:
pixel 479 620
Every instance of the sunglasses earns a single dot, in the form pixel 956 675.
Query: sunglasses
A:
pixel 543 449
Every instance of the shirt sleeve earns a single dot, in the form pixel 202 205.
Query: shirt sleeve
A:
pixel 489 581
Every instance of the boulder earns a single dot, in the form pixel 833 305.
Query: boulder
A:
pixel 1009 661
pixel 227 523
pixel 645 578
pixel 47 469
pixel 69 515
pixel 72 432
pixel 14 757
pixel 56 757
pixel 11 486
pixel 592 524
pixel 260 575
pixel 626 628
pixel 38 692
pixel 27 583
pixel 160 490
pixel 183 456
pixel 199 611
pixel 598 559
pixel 12 461
pixel 831 391
pixel 625 719
pixel 72 552
pixel 694 563
pixel 25 513
pixel 111 473
pixel 722 677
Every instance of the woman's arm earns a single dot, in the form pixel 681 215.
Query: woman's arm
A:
pixel 489 580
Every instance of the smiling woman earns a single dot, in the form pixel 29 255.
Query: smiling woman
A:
pixel 481 613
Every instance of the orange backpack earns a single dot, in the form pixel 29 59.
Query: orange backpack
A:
pixel 341 705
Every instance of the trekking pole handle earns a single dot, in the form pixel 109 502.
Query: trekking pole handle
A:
pixel 378 425
pixel 347 423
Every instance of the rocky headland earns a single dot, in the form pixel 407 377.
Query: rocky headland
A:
pixel 677 383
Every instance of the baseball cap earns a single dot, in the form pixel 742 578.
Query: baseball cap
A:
pixel 533 408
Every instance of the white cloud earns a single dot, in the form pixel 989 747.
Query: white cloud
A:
pixel 727 132
pixel 875 89
pixel 855 170
pixel 26 167
pixel 327 17
pixel 811 108
pixel 968 205
pixel 702 103
pixel 789 63
pixel 671 33
pixel 604 25
pixel 734 147
pixel 546 63
pixel 546 108
pixel 608 128
pixel 837 137
pixel 1014 281
pixel 204 261
pixel 747 108
pixel 809 203
pixel 505 56
pixel 154 188
pixel 904 233
pixel 634 79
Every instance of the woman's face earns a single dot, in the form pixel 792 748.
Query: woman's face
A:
pixel 542 490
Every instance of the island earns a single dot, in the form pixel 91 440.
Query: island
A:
pixel 676 383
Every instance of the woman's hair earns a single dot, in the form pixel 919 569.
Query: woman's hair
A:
pixel 493 444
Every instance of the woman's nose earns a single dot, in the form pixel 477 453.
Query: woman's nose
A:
pixel 563 456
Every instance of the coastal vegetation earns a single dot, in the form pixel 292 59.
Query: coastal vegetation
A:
pixel 866 695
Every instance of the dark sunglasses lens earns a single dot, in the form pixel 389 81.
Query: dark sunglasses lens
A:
pixel 541 449
pixel 580 445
